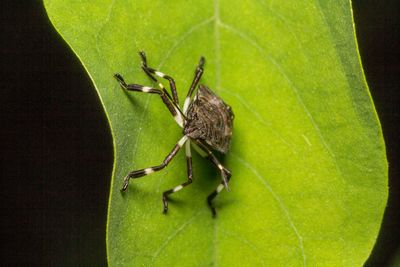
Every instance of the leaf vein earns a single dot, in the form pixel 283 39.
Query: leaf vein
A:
pixel 282 18
pixel 246 242
pixel 217 47
pixel 174 234
pixel 183 37
pixel 292 86
pixel 96 37
pixel 278 200
pixel 260 118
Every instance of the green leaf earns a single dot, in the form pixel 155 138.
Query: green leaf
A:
pixel 309 182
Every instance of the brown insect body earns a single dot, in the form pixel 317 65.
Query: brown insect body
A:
pixel 209 119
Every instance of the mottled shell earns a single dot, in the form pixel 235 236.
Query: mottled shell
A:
pixel 210 119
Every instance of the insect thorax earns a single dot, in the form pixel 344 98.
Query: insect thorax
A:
pixel 210 119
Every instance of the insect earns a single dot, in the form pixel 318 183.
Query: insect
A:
pixel 206 120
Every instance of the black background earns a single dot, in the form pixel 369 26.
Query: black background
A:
pixel 56 148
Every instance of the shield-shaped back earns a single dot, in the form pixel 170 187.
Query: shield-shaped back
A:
pixel 210 119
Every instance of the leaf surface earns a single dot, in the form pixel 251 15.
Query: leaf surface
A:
pixel 309 182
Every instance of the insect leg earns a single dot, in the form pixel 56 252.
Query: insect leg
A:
pixel 150 71
pixel 213 195
pixel 197 75
pixel 144 172
pixel 172 107
pixel 225 174
pixel 181 186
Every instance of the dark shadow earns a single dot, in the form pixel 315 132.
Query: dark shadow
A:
pixel 377 27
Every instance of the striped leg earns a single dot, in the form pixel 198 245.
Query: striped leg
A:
pixel 225 174
pixel 150 71
pixel 172 107
pixel 143 172
pixel 213 195
pixel 197 75
pixel 181 186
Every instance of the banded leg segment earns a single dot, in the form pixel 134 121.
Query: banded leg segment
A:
pixel 173 109
pixel 225 174
pixel 144 172
pixel 197 75
pixel 213 195
pixel 136 87
pixel 189 175
pixel 150 72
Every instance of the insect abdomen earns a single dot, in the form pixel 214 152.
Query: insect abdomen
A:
pixel 210 119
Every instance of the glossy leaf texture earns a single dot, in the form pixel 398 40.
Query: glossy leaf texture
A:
pixel 309 172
